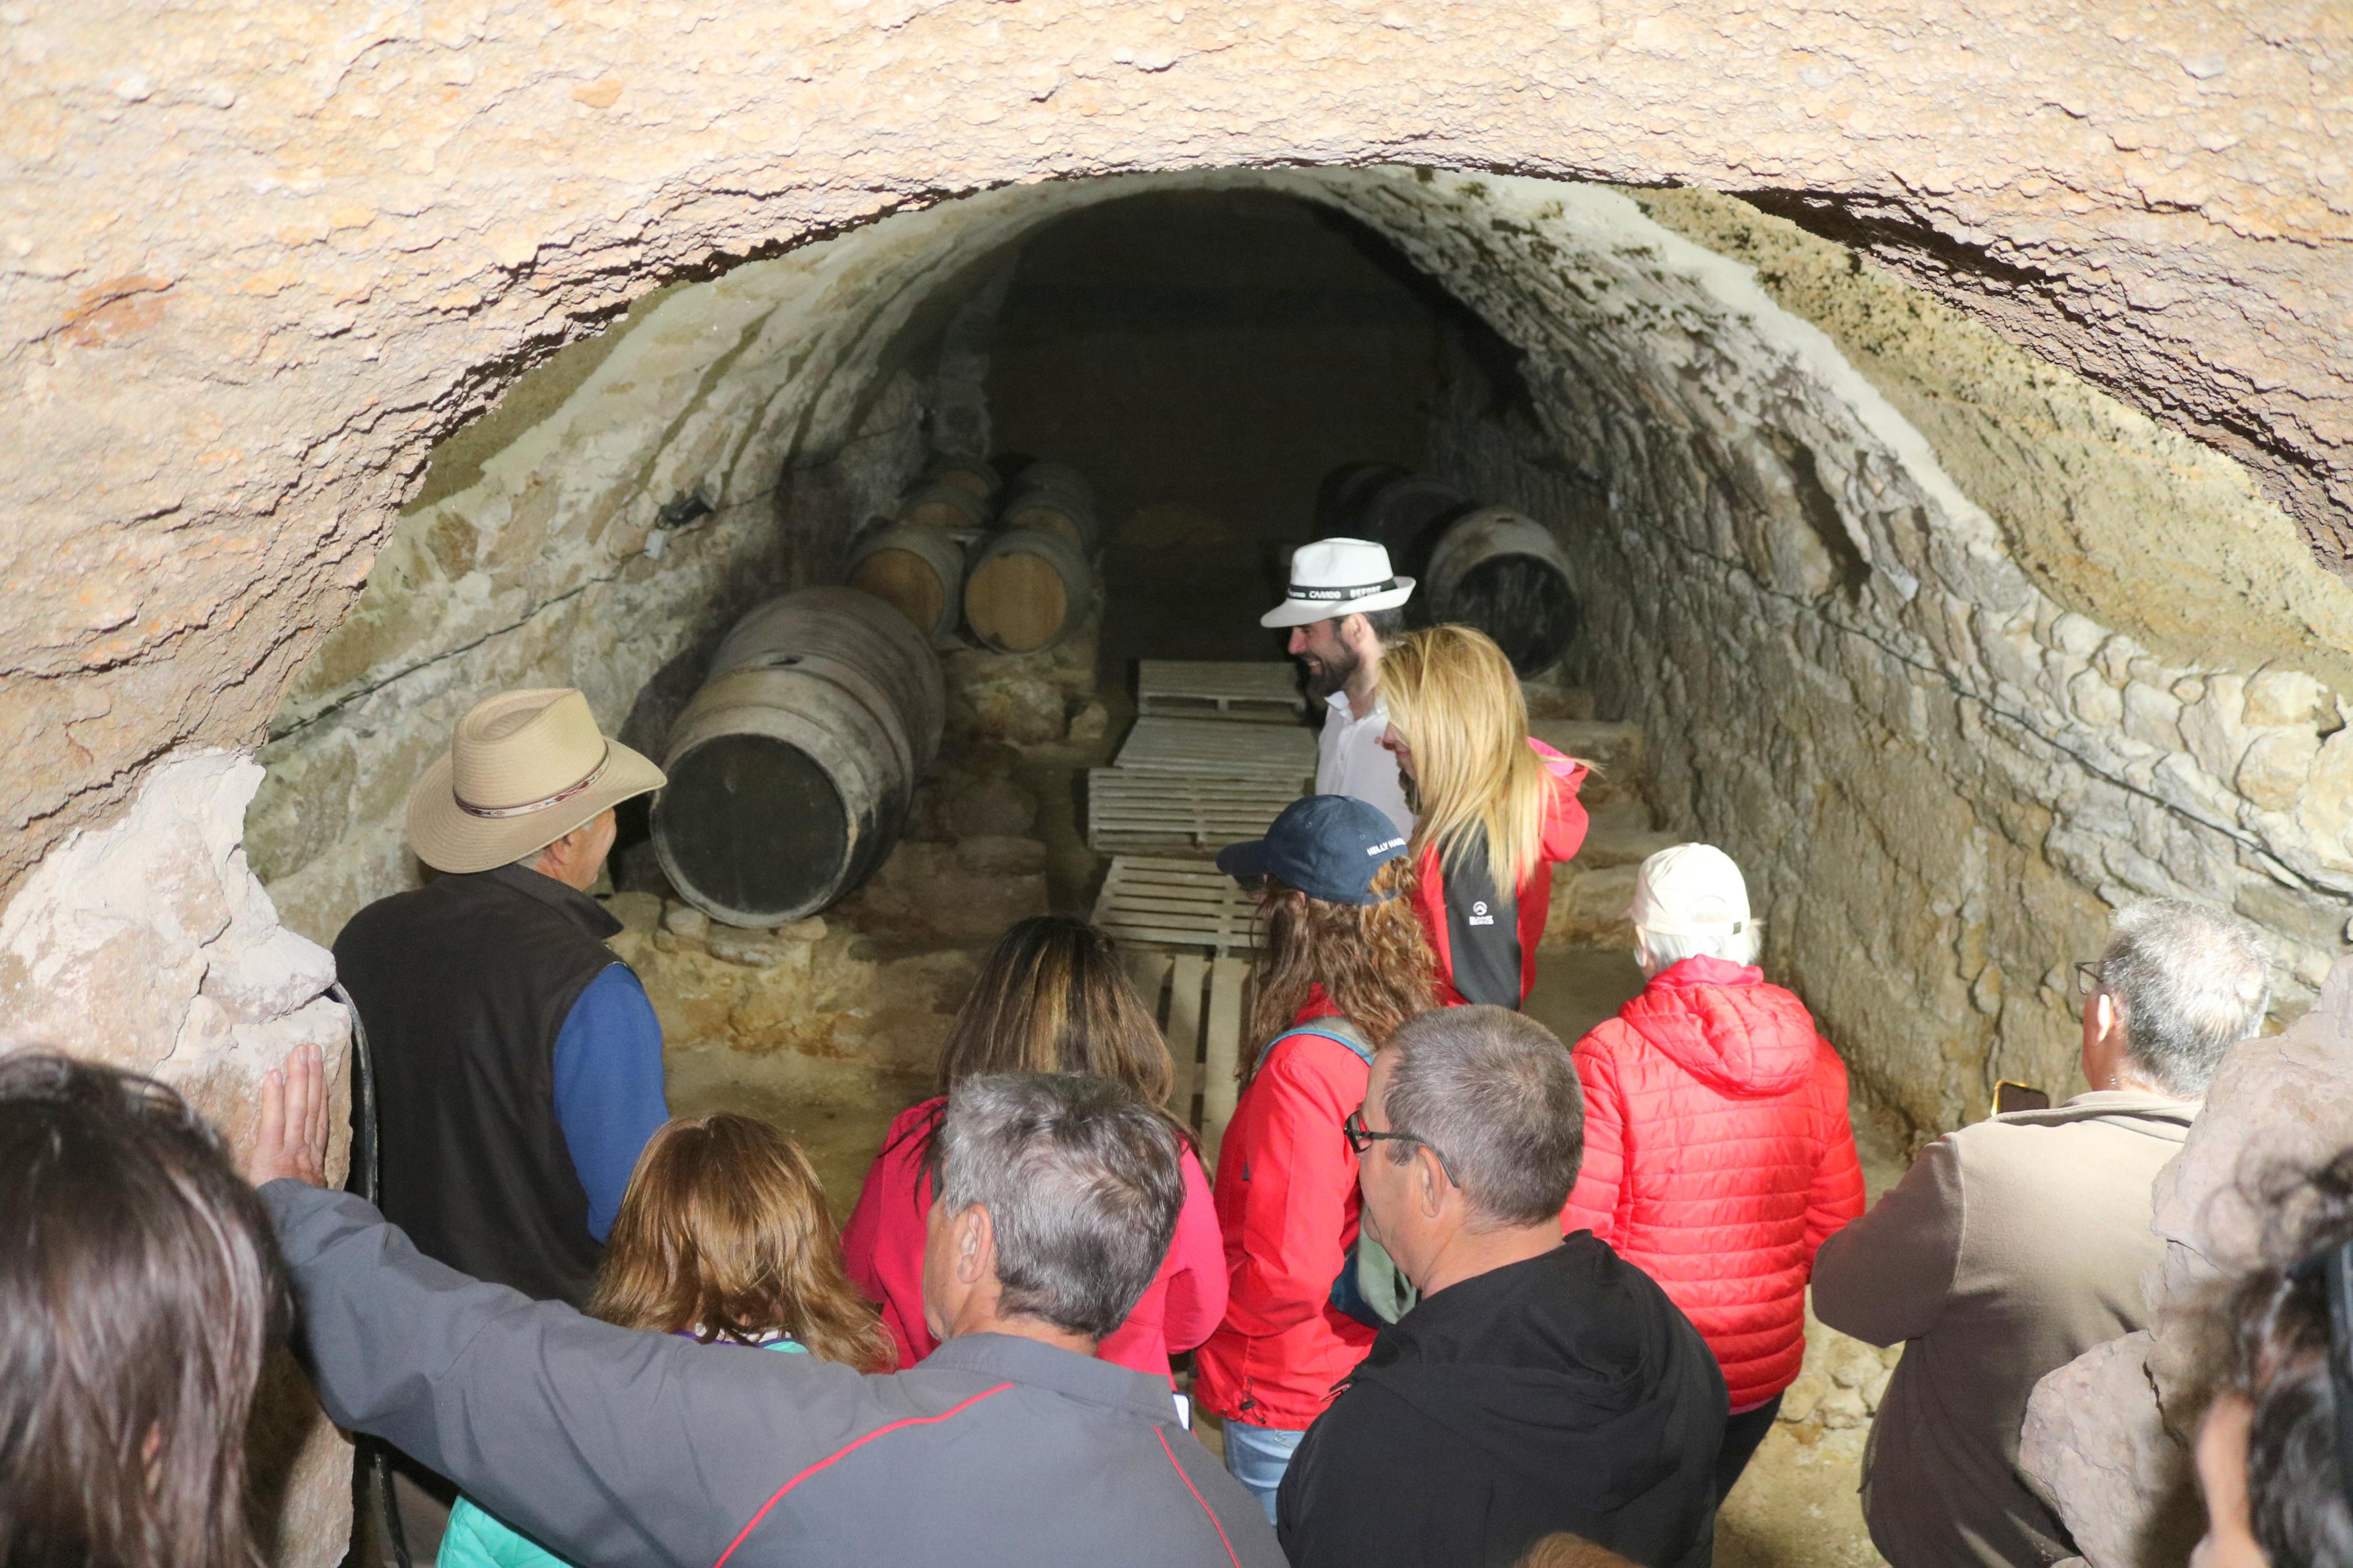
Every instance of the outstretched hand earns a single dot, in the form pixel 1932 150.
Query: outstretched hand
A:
pixel 291 1139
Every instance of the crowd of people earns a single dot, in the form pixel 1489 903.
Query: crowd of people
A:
pixel 1459 1293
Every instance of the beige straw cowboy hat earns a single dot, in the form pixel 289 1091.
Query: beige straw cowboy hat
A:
pixel 525 768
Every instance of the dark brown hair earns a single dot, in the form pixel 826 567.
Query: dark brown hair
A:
pixel 2266 1338
pixel 723 1233
pixel 139 1288
pixel 1051 997
pixel 1372 960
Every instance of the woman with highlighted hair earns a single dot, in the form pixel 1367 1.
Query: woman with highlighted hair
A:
pixel 1495 809
pixel 1718 1156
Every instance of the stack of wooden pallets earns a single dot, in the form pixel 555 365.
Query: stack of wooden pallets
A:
pixel 1262 691
pixel 1194 785
pixel 1217 751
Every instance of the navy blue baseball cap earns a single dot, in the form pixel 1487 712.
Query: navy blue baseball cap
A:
pixel 1327 846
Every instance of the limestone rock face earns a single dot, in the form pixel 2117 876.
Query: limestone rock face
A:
pixel 2097 1446
pixel 449 192
pixel 149 945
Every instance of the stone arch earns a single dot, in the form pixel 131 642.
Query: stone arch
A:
pixel 1758 524
pixel 314 250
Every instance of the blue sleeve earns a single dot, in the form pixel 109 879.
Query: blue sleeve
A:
pixel 608 1087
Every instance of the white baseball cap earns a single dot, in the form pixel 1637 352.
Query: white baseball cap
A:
pixel 1334 577
pixel 1692 889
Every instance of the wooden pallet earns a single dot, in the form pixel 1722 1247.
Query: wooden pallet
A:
pixel 1171 902
pixel 1221 747
pixel 1257 691
pixel 1173 812
pixel 1201 1004
pixel 1183 927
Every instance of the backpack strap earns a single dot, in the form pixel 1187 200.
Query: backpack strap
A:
pixel 1332 1027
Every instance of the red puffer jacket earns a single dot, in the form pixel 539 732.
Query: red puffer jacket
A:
pixel 1564 834
pixel 1718 1158
pixel 1287 1203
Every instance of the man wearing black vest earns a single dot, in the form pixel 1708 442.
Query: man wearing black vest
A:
pixel 518 1062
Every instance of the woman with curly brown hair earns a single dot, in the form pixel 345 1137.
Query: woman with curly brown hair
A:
pixel 1342 965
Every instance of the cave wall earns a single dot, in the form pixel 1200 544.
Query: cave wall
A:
pixel 1943 741
pixel 1944 735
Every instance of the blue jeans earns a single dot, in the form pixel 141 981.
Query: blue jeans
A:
pixel 1256 1456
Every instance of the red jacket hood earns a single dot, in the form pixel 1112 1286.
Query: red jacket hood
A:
pixel 1564 823
pixel 1723 1024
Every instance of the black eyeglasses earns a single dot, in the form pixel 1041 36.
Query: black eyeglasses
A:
pixel 2087 976
pixel 1362 1138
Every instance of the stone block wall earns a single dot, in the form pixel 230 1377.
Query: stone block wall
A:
pixel 1943 746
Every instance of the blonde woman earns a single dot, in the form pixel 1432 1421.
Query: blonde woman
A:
pixel 1495 809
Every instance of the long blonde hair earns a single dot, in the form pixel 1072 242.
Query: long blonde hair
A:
pixel 1373 961
pixel 1454 701
pixel 723 1233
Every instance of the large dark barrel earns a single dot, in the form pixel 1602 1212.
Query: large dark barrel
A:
pixel 1341 496
pixel 1027 591
pixel 916 568
pixel 1055 510
pixel 1407 515
pixel 791 769
pixel 1043 474
pixel 1505 575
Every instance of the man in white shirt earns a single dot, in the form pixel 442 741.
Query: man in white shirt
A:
pixel 1343 600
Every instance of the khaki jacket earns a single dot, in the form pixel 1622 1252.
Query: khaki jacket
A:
pixel 2010 1247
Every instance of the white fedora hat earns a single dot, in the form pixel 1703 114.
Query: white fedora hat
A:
pixel 524 769
pixel 1334 577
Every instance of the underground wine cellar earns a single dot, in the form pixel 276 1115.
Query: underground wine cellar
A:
pixel 1957 619
pixel 1941 738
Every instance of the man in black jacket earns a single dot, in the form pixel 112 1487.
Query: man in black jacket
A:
pixel 518 1063
pixel 1541 1384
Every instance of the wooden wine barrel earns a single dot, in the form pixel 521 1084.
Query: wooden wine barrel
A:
pixel 791 769
pixel 1027 591
pixel 916 568
pixel 1341 496
pixel 1046 475
pixel 1407 515
pixel 1056 510
pixel 1506 575
pixel 976 476
pixel 944 505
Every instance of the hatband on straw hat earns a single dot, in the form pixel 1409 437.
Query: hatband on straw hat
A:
pixel 523 769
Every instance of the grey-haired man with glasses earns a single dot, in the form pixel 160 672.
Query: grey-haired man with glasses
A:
pixel 1541 1383
pixel 2016 1244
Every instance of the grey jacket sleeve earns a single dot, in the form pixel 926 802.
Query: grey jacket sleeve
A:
pixel 609 1445
pixel 1886 1278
